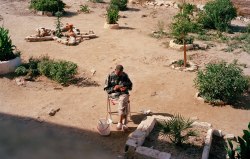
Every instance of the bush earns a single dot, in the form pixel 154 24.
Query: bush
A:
pixel 174 128
pixel 121 4
pixel 6 47
pixel 60 71
pixel 243 150
pixel 21 70
pixel 48 5
pixel 217 15
pixel 188 40
pixel 84 8
pixel 112 14
pixel 96 1
pixel 221 81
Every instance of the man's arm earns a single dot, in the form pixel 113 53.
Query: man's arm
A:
pixel 128 84
pixel 108 88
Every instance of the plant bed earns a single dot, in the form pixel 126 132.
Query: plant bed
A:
pixel 199 97
pixel 135 144
pixel 192 148
pixel 9 55
pixel 176 46
pixel 111 26
pixel 179 65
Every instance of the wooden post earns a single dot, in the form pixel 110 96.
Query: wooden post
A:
pixel 185 53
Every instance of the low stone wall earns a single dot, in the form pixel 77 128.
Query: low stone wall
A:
pixel 134 148
pixel 9 66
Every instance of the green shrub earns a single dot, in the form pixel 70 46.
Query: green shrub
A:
pixel 221 81
pixel 243 150
pixel 112 14
pixel 180 63
pixel 57 70
pixel 60 71
pixel 84 8
pixel 121 4
pixel 96 1
pixel 48 5
pixel 21 70
pixel 217 15
pixel 175 127
pixel 188 40
pixel 6 46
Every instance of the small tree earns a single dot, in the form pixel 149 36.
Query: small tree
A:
pixel 112 14
pixel 58 24
pixel 6 46
pixel 48 5
pixel 182 25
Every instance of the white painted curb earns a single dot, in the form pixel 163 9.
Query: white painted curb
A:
pixel 9 66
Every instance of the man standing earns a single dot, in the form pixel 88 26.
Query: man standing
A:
pixel 117 86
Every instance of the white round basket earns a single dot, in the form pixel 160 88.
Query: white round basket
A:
pixel 103 127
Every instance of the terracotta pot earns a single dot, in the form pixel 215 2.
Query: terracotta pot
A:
pixel 9 66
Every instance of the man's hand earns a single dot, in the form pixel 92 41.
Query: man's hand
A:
pixel 123 89
pixel 117 87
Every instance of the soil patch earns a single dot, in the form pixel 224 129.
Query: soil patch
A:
pixel 192 148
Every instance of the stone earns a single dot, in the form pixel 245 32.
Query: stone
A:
pixel 146 153
pixel 52 112
pixel 202 124
pixel 176 6
pixel 198 97
pixel 203 46
pixel 153 94
pixel 200 6
pixel 208 142
pixel 205 153
pixel 164 155
pixel 195 118
pixel 93 71
pixel 208 139
pixel 72 41
pixel 111 26
pixel 178 46
pixel 20 81
pixel 229 136
pixel 131 142
pixel 139 136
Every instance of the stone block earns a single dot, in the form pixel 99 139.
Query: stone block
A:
pixel 208 139
pixel 146 153
pixel 229 136
pixel 139 136
pixel 205 153
pixel 202 124
pixel 164 155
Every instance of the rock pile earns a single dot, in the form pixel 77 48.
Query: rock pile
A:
pixel 70 35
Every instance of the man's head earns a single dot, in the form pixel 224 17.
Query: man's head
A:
pixel 118 70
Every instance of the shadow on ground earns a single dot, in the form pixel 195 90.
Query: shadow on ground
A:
pixel 243 103
pixel 137 118
pixel 27 138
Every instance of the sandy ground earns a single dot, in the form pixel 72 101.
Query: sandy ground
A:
pixel 145 60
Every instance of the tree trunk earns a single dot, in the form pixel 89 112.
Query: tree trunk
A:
pixel 185 53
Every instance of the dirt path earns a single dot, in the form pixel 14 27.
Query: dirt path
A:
pixel 143 57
